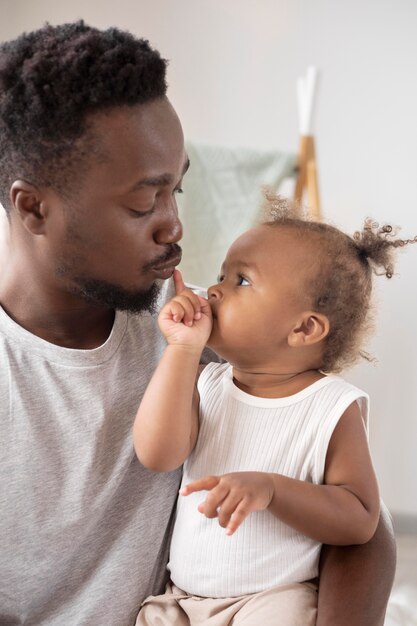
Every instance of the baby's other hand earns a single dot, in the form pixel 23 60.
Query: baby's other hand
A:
pixel 232 497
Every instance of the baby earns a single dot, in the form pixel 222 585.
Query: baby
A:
pixel 277 442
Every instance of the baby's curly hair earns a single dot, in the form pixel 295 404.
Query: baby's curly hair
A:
pixel 50 80
pixel 339 277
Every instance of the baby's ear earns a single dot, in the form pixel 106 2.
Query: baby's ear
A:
pixel 311 328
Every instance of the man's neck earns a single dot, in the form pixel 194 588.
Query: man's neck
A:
pixel 61 319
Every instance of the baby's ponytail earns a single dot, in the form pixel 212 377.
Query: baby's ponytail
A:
pixel 375 245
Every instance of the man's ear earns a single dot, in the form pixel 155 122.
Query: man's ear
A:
pixel 311 328
pixel 28 203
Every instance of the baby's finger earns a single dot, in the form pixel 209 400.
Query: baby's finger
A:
pixel 228 507
pixel 176 311
pixel 203 484
pixel 214 501
pixel 238 516
pixel 178 282
pixel 205 307
pixel 183 290
pixel 189 306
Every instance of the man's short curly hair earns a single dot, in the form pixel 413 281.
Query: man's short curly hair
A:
pixel 50 80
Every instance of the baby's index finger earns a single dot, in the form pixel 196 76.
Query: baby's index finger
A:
pixel 178 282
pixel 203 484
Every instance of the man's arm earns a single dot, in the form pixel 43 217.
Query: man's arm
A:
pixel 355 581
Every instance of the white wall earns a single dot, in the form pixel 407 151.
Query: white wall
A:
pixel 232 77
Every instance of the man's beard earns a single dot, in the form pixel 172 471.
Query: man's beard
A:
pixel 111 296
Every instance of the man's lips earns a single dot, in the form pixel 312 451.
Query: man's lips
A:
pixel 166 269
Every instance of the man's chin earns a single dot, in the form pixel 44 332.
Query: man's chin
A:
pixel 112 296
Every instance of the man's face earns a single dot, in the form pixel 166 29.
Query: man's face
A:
pixel 117 235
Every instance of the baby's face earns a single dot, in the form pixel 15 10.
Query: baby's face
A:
pixel 259 296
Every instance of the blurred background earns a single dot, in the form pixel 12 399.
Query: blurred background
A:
pixel 232 78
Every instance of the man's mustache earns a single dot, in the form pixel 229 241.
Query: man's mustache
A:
pixel 173 251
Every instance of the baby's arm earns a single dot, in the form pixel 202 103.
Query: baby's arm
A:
pixel 343 511
pixel 166 424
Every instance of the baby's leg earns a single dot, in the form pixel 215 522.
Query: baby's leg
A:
pixel 163 610
pixel 175 607
pixel 286 605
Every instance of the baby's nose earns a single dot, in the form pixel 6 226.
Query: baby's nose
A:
pixel 214 292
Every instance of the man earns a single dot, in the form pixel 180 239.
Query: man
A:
pixel 92 155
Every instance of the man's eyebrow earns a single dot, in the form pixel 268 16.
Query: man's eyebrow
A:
pixel 159 181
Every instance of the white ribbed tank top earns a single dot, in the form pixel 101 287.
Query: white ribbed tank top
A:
pixel 240 432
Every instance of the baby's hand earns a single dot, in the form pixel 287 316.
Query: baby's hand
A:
pixel 186 319
pixel 233 496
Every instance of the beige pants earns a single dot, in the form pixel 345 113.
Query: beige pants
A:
pixel 287 605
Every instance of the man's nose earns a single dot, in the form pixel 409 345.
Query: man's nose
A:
pixel 169 228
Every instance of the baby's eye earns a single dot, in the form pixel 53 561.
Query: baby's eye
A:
pixel 220 278
pixel 242 281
